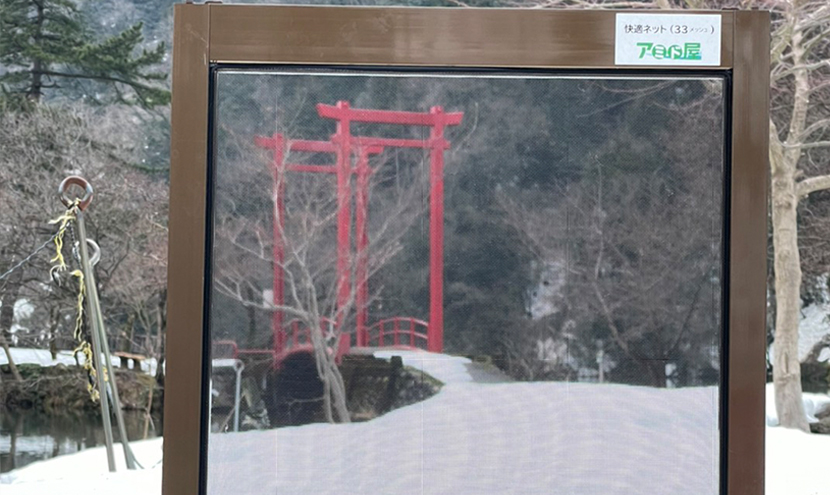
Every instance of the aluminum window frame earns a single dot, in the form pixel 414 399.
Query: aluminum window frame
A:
pixel 448 38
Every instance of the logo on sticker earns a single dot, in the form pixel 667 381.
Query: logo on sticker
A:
pixel 656 51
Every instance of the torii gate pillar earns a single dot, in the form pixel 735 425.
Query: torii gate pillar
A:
pixel 435 331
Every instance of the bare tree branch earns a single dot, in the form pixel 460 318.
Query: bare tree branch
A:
pixel 811 185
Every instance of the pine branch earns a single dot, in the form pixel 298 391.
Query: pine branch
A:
pixel 162 94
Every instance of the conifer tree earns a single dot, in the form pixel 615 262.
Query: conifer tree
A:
pixel 46 44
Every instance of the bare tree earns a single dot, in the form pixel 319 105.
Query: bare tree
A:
pixel 636 244
pixel 801 82
pixel 40 148
pixel 137 289
pixel 244 260
pixel 799 138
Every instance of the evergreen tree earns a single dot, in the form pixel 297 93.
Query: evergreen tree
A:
pixel 46 44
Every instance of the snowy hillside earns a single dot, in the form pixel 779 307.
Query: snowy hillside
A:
pixel 473 438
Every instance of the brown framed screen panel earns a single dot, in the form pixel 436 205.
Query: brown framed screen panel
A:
pixel 747 245
pixel 186 253
pixel 244 38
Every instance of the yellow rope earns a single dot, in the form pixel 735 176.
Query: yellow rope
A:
pixel 63 220
pixel 84 346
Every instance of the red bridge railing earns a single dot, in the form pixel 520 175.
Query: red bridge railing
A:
pixel 399 331
pixel 296 337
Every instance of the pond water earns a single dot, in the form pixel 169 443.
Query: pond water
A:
pixel 27 437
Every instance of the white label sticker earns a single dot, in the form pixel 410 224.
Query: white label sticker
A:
pixel 667 39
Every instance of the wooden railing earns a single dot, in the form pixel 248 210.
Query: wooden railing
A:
pixel 399 331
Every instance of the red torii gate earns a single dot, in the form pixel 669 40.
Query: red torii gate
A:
pixel 342 144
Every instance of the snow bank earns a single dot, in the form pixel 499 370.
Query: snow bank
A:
pixel 86 472
pixel 448 369
pixel 43 357
pixel 796 463
pixel 491 438
pixel 472 438
pixel 813 403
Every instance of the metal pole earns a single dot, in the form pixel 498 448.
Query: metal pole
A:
pixel 239 366
pixel 129 457
pixel 89 281
pixel 92 296
pixel 96 321
pixel 105 349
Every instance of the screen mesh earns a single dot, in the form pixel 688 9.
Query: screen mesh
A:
pixel 503 282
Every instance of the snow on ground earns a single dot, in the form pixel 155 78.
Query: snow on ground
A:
pixel 43 357
pixel 796 463
pixel 812 326
pixel 813 403
pixel 86 473
pixel 448 369
pixel 472 438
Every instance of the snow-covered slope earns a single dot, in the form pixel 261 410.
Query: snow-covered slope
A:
pixel 473 438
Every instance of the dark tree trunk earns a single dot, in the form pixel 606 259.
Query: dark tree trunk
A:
pixel 38 66
pixel 656 369
pixel 162 335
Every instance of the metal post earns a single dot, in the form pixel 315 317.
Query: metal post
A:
pixel 96 322
pixel 129 457
pixel 89 281
pixel 238 366
pixel 99 333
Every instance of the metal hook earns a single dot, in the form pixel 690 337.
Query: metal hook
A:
pixel 95 257
pixel 76 181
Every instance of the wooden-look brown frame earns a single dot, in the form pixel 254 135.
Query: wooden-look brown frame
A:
pixel 491 38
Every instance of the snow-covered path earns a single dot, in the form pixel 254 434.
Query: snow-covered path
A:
pixel 473 438
pixel 501 438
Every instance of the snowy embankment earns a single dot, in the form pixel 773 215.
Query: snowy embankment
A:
pixel 813 404
pixel 472 438
pixel 43 357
